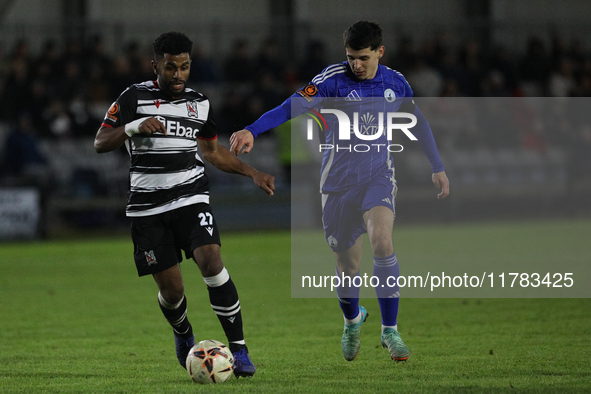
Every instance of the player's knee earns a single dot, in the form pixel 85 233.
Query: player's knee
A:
pixel 211 268
pixel 173 294
pixel 382 247
pixel 348 267
pixel 349 272
pixel 209 260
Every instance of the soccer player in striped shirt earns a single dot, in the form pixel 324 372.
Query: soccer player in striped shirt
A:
pixel 358 189
pixel 168 130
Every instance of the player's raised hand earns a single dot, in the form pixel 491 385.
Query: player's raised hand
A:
pixel 151 125
pixel 108 138
pixel 441 182
pixel 240 139
pixel 265 182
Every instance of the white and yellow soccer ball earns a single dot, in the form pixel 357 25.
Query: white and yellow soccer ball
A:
pixel 210 361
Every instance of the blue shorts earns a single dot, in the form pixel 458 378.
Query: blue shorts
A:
pixel 342 212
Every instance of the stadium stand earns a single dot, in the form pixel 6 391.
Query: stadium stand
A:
pixel 65 89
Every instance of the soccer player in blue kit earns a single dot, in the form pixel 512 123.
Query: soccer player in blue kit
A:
pixel 358 189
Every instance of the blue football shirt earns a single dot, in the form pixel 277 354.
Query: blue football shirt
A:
pixel 352 161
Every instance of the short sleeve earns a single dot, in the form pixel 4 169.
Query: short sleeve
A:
pixel 208 131
pixel 123 110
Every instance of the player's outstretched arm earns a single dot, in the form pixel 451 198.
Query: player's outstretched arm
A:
pixel 110 138
pixel 221 158
pixel 241 139
pixel 269 120
pixel 441 182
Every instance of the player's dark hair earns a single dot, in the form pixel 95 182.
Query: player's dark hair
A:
pixel 173 43
pixel 363 34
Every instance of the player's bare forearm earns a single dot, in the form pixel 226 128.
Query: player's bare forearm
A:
pixel 221 158
pixel 441 182
pixel 109 138
pixel 240 139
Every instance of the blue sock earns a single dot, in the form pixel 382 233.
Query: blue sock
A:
pixel 348 299
pixel 388 297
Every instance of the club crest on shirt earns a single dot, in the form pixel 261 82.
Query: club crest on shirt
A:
pixel 192 108
pixel 389 95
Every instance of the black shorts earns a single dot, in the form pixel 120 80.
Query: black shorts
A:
pixel 160 239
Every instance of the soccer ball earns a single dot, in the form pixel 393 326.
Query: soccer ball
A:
pixel 210 362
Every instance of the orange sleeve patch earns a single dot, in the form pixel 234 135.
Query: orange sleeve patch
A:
pixel 308 91
pixel 114 109
pixel 311 90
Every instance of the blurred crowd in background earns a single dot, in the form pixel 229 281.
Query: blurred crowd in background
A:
pixel 63 91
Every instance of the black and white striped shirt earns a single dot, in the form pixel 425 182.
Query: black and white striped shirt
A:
pixel 166 170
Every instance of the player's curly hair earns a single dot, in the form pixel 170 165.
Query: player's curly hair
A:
pixel 363 34
pixel 173 43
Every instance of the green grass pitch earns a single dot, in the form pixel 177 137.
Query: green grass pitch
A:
pixel 74 317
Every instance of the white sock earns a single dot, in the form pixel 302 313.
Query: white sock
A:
pixel 393 327
pixel 353 321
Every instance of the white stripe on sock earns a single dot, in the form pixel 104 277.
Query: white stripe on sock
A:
pixel 167 304
pixel 178 321
pixel 217 280
pixel 225 308
pixel 182 333
pixel 386 262
pixel 235 311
